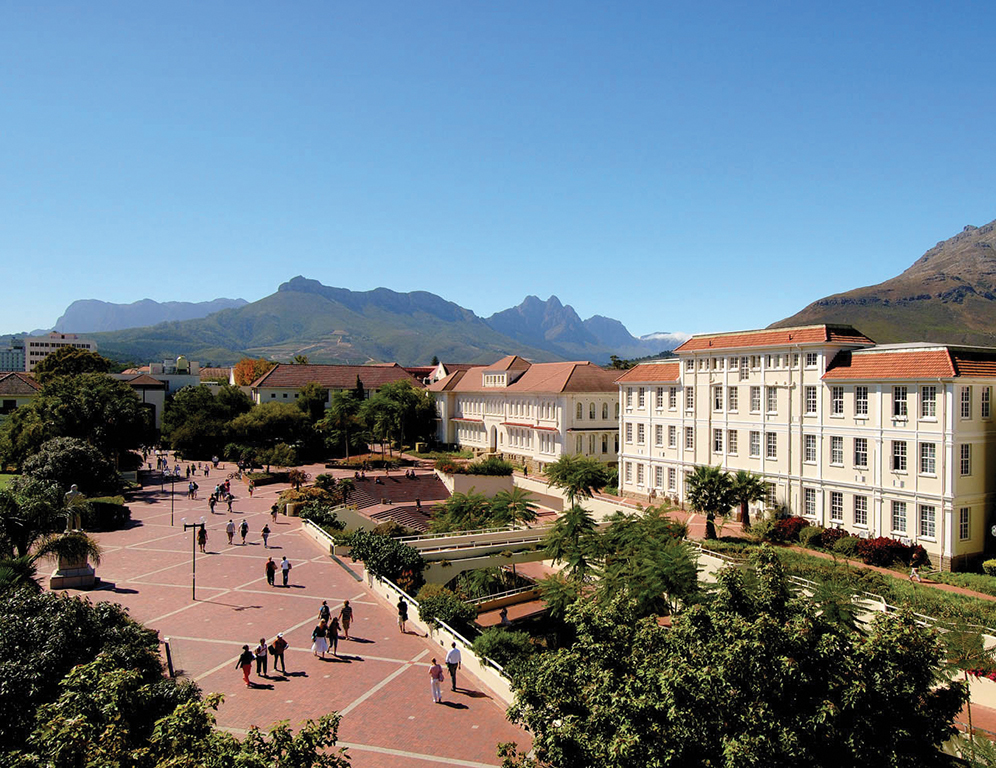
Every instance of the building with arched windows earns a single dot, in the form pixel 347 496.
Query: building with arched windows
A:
pixel 531 413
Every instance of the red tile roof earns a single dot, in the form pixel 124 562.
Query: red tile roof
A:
pixel 144 381
pixel 15 383
pixel 974 362
pixel 900 364
pixel 538 377
pixel 333 376
pixel 777 337
pixel 669 371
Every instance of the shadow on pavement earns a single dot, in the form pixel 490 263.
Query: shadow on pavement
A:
pixel 472 694
pixel 454 705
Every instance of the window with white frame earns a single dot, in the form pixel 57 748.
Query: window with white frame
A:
pixel 689 398
pixel 809 449
pixel 898 455
pixel 580 412
pixel 658 477
pixel 629 397
pixel 731 441
pixel 629 433
pixel 640 434
pixel 672 398
pixel 628 471
pixel 928 402
pixel 770 494
pixel 605 443
pixel 672 478
pixel 810 401
pixel 755 399
pixel 861 401
pixel 639 474
pixel 966 402
pixel 771 445
pixel 772 399
pixel 659 435
pixel 617 410
pixel 717 441
pixel 861 510
pixel 986 400
pixel 755 444
pixel 703 363
pixel 689 438
pixel 615 441
pixel 965 459
pixel 928 458
pixel 836 507
pixel 928 521
pixel 899 400
pixel 812 359
pixel 717 398
pixel 689 364
pixel 579 444
pixel 731 398
pixel 861 452
pixel 899 517
pixel 641 397
pixel 659 399
pixel 837 450
pixel 809 502
pixel 605 411
pixel 836 401
pixel 744 369
pixel 734 363
pixel 965 523
pixel 672 436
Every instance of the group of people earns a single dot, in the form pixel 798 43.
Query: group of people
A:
pixel 271 570
pixel 260 655
pixel 222 492
pixel 325 636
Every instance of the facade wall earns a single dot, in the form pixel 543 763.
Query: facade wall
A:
pixel 37 348
pixel 840 453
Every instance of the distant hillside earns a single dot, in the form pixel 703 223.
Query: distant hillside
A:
pixel 948 295
pixel 92 315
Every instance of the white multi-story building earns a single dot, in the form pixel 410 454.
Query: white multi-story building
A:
pixel 532 412
pixel 37 348
pixel 887 440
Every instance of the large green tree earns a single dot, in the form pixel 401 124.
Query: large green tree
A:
pixel 71 361
pixel 579 476
pixel 312 400
pixel 30 509
pixel 710 491
pixel 341 423
pixel 513 507
pixel 574 541
pixel 196 421
pixel 268 424
pixel 67 461
pixel 415 412
pixel 754 678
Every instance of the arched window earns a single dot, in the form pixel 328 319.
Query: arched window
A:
pixel 591 411
pixel 580 411
pixel 617 409
pixel 605 413
pixel 605 443
pixel 579 444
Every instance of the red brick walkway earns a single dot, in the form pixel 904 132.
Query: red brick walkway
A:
pixel 380 684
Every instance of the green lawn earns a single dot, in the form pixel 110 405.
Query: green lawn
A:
pixel 4 479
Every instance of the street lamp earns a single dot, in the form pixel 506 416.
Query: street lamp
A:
pixel 172 496
pixel 193 553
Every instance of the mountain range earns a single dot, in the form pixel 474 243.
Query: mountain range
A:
pixel 331 324
pixel 93 315
pixel 947 296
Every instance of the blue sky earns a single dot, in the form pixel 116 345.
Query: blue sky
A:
pixel 678 166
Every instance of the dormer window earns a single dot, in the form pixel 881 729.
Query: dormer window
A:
pixel 495 379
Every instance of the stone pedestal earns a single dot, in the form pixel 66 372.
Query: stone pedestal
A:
pixel 73 575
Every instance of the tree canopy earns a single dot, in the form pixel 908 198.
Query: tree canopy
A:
pixel 196 419
pixel 70 361
pixel 248 369
pixel 710 491
pixel 579 476
pixel 67 461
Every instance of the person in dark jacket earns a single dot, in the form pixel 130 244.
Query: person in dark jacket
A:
pixel 245 662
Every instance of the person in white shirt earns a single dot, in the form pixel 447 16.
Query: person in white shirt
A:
pixel 285 567
pixel 453 663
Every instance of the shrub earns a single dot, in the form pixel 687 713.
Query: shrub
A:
pixel 108 513
pixel 884 551
pixel 847 546
pixel 447 466
pixel 438 604
pixel 761 529
pixel 505 646
pixel 491 466
pixel 388 558
pixel 989 567
pixel 267 478
pixel 832 535
pixel 786 529
pixel 811 536
pixel 68 460
pixel 322 515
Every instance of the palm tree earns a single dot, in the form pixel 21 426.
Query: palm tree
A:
pixel 574 542
pixel 747 488
pixel 22 572
pixel 514 507
pixel 579 476
pixel 19 573
pixel 710 491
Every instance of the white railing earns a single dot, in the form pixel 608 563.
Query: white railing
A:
pixel 476 531
pixel 501 595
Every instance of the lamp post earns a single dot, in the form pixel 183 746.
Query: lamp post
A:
pixel 193 554
pixel 172 496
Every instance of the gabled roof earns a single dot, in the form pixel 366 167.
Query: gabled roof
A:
pixel 917 362
pixel 551 378
pixel 669 371
pixel 144 381
pixel 811 335
pixel 287 376
pixel 215 373
pixel 18 383
pixel 509 363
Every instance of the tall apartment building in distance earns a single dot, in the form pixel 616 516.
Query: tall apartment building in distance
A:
pixel 37 348
pixel 884 440
pixel 531 412
pixel 12 356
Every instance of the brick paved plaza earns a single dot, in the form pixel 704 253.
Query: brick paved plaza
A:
pixel 381 683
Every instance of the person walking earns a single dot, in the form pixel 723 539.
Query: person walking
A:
pixel 333 635
pixel 436 682
pixel 243 529
pixel 271 570
pixel 279 646
pixel 319 641
pixel 453 663
pixel 285 567
pixel 212 500
pixel 402 615
pixel 229 529
pixel 266 536
pixel 245 663
pixel 261 653
pixel 202 538
pixel 346 617
pixel 273 513
pixel 324 613
pixel 252 487
pixel 229 501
